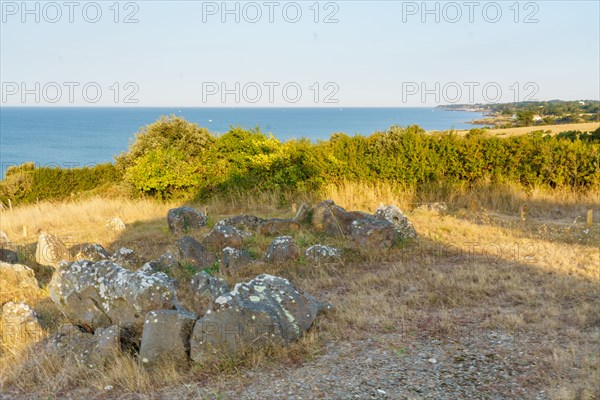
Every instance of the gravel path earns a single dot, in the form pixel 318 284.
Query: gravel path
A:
pixel 390 367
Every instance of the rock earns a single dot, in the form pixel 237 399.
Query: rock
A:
pixel 243 222
pixel 205 285
pixel 7 250
pixel 101 294
pixel 372 233
pixel 397 218
pixel 166 338
pixel 266 310
pixel 304 214
pixel 195 253
pixel 90 252
pixel 9 256
pixel 321 253
pixel 232 259
pixel 333 219
pixel 164 263
pixel 116 224
pixel 278 226
pixel 16 281
pixel 204 289
pixel 437 207
pixel 92 350
pixel 222 236
pixel 282 249
pixel 50 250
pixel 20 325
pixel 185 218
pixel 125 257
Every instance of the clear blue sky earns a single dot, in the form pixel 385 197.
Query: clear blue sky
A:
pixel 379 53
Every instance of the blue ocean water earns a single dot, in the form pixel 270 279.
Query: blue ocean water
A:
pixel 82 136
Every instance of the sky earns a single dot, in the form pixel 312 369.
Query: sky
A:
pixel 303 53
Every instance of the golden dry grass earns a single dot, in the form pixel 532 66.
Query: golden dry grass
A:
pixel 472 271
pixel 554 129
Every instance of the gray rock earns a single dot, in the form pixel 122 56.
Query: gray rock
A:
pixel 304 214
pixel 91 252
pixel 321 253
pixel 166 338
pixel 210 287
pixel 126 257
pixel 16 278
pixel 243 222
pixel 115 224
pixel 50 250
pixel 232 259
pixel 222 236
pixel 101 294
pixel 183 219
pixel 7 249
pixel 20 325
pixel 276 226
pixel 334 220
pixel 266 310
pixel 282 249
pixel 164 263
pixel 195 253
pixel 372 233
pixel 397 218
pixel 9 256
pixel 92 350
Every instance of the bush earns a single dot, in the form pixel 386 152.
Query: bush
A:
pixel 26 183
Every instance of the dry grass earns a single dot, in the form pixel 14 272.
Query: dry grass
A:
pixel 471 272
pixel 81 221
pixel 554 129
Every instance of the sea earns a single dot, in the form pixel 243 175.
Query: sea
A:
pixel 77 136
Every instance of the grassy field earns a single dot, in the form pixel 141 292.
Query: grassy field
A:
pixel 554 129
pixel 475 268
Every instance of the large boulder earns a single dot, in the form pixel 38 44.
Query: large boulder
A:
pixel 222 236
pixel 185 218
pixel 396 217
pixel 91 350
pixel 334 220
pixel 20 325
pixel 16 282
pixel 278 226
pixel 101 294
pixel 195 253
pixel 166 338
pixel 282 249
pixel 266 310
pixel 50 250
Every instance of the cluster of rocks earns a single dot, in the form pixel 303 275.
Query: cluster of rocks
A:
pixel 224 243
pixel 112 301
pixel 109 305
